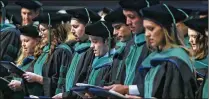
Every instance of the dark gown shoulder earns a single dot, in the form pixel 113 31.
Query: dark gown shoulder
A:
pixel 174 79
pixel 10 45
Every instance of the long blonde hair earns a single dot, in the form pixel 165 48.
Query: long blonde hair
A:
pixel 70 36
pixel 171 40
pixel 21 57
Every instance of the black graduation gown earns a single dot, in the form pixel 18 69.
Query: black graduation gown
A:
pixel 81 71
pixel 99 72
pixel 83 65
pixel 25 66
pixel 80 51
pixel 64 68
pixel 138 52
pixel 10 45
pixel 118 67
pixel 99 76
pixel 51 69
pixel 5 91
pixel 122 74
pixel 139 76
pixel 201 66
pixel 202 91
pixel 171 76
pixel 84 74
pixel 29 88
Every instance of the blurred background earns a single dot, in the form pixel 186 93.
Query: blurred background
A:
pixel 56 5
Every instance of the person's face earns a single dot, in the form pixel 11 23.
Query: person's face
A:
pixel 28 16
pixel 121 31
pixel 43 32
pixel 98 45
pixel 134 21
pixel 153 33
pixel 78 29
pixel 192 38
pixel 28 44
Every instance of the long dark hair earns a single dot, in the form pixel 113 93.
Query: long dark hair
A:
pixel 58 35
pixel 202 46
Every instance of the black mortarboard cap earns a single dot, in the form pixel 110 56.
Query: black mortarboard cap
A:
pixel 186 12
pixel 100 29
pixel 84 14
pixel 116 16
pixel 64 15
pixel 3 2
pixel 199 25
pixel 165 15
pixel 44 18
pixel 106 10
pixel 195 11
pixel 29 30
pixel 137 4
pixel 51 19
pixel 29 4
pixel 12 68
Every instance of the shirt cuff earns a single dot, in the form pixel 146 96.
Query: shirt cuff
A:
pixel 133 90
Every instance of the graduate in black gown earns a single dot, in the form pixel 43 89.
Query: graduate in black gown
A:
pixel 10 40
pixel 29 10
pixel 138 49
pixel 123 35
pixel 29 39
pixel 171 73
pixel 49 57
pixel 83 54
pixel 199 43
pixel 102 43
pixel 190 14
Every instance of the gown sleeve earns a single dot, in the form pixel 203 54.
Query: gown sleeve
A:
pixel 51 71
pixel 10 44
